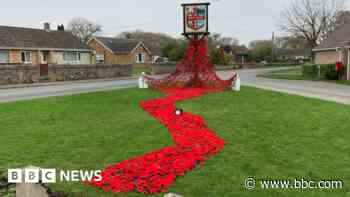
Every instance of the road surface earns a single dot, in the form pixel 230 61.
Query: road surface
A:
pixel 26 93
pixel 315 89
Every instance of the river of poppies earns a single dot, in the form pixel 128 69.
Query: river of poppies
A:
pixel 154 172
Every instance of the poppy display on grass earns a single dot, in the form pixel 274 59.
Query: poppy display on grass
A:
pixel 153 172
pixel 193 141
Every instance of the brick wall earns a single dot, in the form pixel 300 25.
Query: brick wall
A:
pixel 120 58
pixel 109 56
pixel 124 58
pixel 148 57
pixel 15 56
pixel 326 57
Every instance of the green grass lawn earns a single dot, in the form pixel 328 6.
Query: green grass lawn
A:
pixel 137 70
pixel 343 82
pixel 269 135
pixel 296 74
pixel 289 74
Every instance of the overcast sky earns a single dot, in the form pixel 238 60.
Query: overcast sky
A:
pixel 244 19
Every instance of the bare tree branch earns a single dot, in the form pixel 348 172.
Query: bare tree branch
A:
pixel 83 29
pixel 311 19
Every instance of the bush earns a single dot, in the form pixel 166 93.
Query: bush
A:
pixel 324 71
pixel 310 71
pixel 328 71
pixel 218 57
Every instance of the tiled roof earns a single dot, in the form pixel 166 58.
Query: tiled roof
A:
pixel 119 45
pixel 18 37
pixel 339 38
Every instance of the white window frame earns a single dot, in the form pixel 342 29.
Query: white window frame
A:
pixel 143 58
pixel 8 56
pixel 100 58
pixel 66 55
pixel 26 59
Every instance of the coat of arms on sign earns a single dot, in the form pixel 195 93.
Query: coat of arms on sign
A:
pixel 196 18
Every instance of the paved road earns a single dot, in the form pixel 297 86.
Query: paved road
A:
pixel 27 93
pixel 321 90
pixel 316 89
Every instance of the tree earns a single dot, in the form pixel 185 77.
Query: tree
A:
pixel 311 19
pixel 83 29
pixel 261 50
pixel 175 51
pixel 229 41
pixel 219 57
pixel 290 42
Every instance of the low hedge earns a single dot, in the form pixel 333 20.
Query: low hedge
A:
pixel 323 71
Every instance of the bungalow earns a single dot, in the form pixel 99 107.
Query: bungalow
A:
pixel 120 51
pixel 336 47
pixel 41 47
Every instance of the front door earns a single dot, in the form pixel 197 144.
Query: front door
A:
pixel 44 66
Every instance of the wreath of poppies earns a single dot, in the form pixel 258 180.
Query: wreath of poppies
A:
pixel 194 142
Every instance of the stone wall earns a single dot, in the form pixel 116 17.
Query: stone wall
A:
pixel 165 68
pixel 84 72
pixel 223 67
pixel 18 74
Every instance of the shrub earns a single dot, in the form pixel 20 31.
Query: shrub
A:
pixel 328 71
pixel 218 57
pixel 324 71
pixel 310 71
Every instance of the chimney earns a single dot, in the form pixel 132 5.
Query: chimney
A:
pixel 60 27
pixel 47 26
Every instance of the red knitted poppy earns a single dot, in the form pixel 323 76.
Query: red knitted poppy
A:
pixel 194 142
pixel 195 70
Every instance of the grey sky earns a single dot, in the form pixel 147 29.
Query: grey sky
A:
pixel 244 19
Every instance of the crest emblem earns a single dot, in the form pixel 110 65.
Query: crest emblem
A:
pixel 196 17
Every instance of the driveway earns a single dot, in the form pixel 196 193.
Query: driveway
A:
pixel 315 89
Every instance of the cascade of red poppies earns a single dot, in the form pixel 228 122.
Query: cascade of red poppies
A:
pixel 194 142
pixel 195 70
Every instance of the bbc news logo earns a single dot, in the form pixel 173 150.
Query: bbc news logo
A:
pixel 51 175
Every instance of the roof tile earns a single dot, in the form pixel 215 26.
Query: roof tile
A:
pixel 18 37
pixel 119 45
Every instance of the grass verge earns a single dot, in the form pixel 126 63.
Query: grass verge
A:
pixel 269 136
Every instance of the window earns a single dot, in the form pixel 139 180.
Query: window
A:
pixel 140 58
pixel 26 57
pixel 4 56
pixel 71 56
pixel 100 58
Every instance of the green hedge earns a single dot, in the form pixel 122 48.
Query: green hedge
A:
pixel 310 71
pixel 323 71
